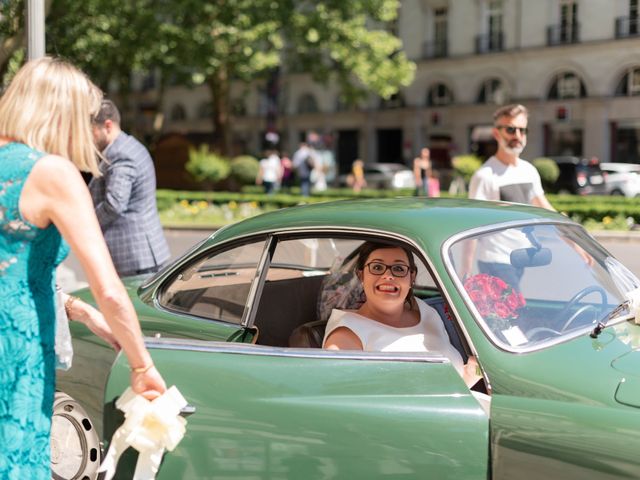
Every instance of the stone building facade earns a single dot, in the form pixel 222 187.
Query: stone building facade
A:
pixel 574 63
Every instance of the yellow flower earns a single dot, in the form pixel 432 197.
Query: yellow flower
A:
pixel 254 204
pixel 607 220
pixel 184 203
pixel 202 204
pixel 233 204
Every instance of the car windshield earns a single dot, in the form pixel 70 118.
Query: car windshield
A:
pixel 535 285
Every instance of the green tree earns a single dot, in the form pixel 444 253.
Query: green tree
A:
pixel 245 39
pixel 13 34
pixel 218 42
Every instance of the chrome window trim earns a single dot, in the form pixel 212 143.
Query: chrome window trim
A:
pixel 161 281
pixel 258 282
pixel 263 350
pixel 446 247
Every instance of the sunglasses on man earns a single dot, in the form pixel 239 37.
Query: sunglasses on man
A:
pixel 512 130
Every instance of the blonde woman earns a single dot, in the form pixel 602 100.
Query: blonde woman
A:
pixel 45 139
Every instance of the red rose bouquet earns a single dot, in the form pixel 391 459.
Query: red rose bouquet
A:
pixel 495 299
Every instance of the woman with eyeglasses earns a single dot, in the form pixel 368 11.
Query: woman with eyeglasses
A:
pixel 392 319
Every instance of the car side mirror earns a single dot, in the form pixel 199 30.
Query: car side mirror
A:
pixel 530 257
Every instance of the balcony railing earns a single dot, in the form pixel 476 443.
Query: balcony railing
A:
pixel 627 27
pixel 563 34
pixel 490 43
pixel 434 49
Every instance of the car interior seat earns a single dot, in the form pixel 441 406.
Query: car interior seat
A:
pixel 339 289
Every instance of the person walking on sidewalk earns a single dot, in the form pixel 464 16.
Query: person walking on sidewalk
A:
pixel 125 198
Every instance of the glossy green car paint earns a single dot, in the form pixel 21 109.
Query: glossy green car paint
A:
pixel 349 419
pixel 570 410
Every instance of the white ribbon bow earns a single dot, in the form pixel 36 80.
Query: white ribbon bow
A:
pixel 634 304
pixel 150 427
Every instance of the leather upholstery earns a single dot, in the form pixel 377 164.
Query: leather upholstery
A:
pixel 308 335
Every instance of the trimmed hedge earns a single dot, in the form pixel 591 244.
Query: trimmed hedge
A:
pixel 577 207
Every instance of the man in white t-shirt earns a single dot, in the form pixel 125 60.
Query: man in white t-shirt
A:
pixel 505 177
pixel 270 172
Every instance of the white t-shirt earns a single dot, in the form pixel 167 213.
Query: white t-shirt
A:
pixel 429 335
pixel 270 168
pixel 519 183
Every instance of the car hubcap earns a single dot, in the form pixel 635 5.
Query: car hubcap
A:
pixel 75 446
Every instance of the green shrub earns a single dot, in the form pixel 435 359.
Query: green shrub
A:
pixel 244 169
pixel 466 165
pixel 548 170
pixel 207 167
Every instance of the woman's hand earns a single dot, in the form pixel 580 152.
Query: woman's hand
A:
pixel 149 384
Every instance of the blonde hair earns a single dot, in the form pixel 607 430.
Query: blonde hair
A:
pixel 48 106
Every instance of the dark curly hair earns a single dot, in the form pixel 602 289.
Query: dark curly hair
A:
pixel 367 248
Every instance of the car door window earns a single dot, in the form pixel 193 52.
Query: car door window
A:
pixel 307 278
pixel 293 284
pixel 215 287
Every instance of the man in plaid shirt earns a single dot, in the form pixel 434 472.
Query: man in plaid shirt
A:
pixel 125 198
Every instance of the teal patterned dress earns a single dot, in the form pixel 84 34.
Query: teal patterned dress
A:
pixel 28 258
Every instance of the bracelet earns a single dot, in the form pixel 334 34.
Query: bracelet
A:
pixel 142 369
pixel 68 304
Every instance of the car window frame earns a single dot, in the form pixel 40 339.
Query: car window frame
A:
pixel 458 283
pixel 215 249
pixel 366 235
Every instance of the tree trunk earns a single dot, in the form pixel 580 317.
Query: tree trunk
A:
pixel 219 88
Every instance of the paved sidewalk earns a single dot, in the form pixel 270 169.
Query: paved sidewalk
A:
pixel 615 236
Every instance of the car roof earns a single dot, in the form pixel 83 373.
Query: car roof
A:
pixel 426 220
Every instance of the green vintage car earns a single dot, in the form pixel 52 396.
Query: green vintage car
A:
pixel 237 323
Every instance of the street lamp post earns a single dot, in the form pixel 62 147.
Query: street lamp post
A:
pixel 35 29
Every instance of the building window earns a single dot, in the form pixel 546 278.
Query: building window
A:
pixel 238 107
pixel 566 86
pixel 493 39
pixel 440 32
pixel 205 110
pixel 394 101
pixel 629 25
pixel 629 84
pixel 568 30
pixel 178 113
pixel 307 104
pixel 493 91
pixel 439 95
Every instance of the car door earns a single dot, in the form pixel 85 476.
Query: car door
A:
pixel 286 413
pixel 266 410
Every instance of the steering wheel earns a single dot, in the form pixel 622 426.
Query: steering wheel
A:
pixel 576 299
pixel 530 334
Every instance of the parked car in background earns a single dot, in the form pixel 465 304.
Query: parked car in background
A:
pixel 622 178
pixel 387 176
pixel 237 323
pixel 579 176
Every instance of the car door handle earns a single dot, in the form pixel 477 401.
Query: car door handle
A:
pixel 188 410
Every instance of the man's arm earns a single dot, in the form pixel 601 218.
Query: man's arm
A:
pixel 541 201
pixel 119 177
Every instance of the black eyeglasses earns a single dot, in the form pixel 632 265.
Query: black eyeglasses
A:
pixel 379 268
pixel 512 130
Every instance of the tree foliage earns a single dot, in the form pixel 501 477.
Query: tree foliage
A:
pixel 217 42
